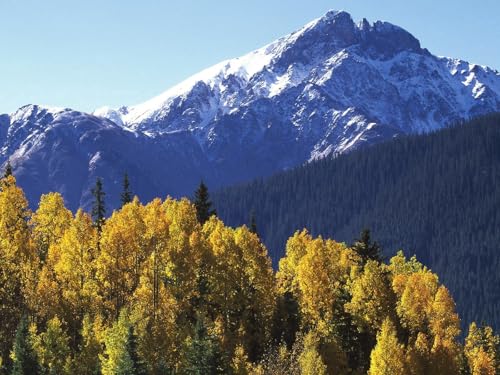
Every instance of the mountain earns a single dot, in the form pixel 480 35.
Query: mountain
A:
pixel 65 151
pixel 331 87
pixel 435 195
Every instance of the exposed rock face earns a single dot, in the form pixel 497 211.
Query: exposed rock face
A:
pixel 330 87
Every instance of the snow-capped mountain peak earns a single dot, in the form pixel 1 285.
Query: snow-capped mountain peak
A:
pixel 330 87
pixel 26 112
pixel 241 69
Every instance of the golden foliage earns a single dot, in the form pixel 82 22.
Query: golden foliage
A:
pixel 372 297
pixel 155 261
pixel 388 355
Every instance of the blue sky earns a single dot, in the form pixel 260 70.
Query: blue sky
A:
pixel 86 54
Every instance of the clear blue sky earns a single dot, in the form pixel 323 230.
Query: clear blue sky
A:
pixel 86 54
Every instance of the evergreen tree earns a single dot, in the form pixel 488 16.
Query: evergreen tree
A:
pixel 138 365
pixel 98 207
pixel 405 191
pixel 203 204
pixel 86 361
pixel 52 348
pixel 204 355
pixel 253 223
pixel 116 359
pixel 126 196
pixel 8 170
pixel 23 356
pixel 367 249
pixel 286 320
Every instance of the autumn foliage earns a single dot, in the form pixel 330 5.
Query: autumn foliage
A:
pixel 153 291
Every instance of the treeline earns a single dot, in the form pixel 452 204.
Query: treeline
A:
pixel 435 195
pixel 167 288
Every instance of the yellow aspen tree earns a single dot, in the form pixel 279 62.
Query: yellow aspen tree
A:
pixel 156 240
pixel 160 334
pixel 415 300
pixel 318 284
pixel 287 272
pixel 48 299
pixel 154 307
pixel 49 222
pixel 427 311
pixel 52 348
pixel 165 299
pixel 116 358
pixel 180 275
pixel 14 215
pixel 17 260
pixel 418 355
pixel 402 268
pixel 322 276
pixel 288 318
pixel 388 356
pixel 184 252
pixel 258 269
pixel 75 271
pixel 482 363
pixel 444 320
pixel 241 285
pixel 240 365
pixel 122 253
pixel 481 348
pixel 86 360
pixel 373 299
pixel 226 275
pixel 257 292
pixel 310 360
pixel 444 325
pixel 322 273
pixel 399 265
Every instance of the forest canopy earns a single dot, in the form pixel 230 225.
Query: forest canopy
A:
pixel 435 195
pixel 151 290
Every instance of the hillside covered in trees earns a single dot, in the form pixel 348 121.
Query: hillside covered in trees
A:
pixel 167 288
pixel 435 195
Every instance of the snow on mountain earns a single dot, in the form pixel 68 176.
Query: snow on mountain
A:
pixel 323 54
pixel 329 87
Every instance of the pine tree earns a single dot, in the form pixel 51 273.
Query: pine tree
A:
pixel 286 319
pixel 117 358
pixel 126 196
pixel 86 361
pixel 23 356
pixel 367 249
pixel 8 170
pixel 204 355
pixel 52 348
pixel 98 207
pixel 138 365
pixel 253 223
pixel 203 204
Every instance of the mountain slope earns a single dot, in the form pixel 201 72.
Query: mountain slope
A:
pixel 65 151
pixel 435 195
pixel 330 87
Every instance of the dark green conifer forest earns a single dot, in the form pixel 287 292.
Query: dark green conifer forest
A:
pixel 435 195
